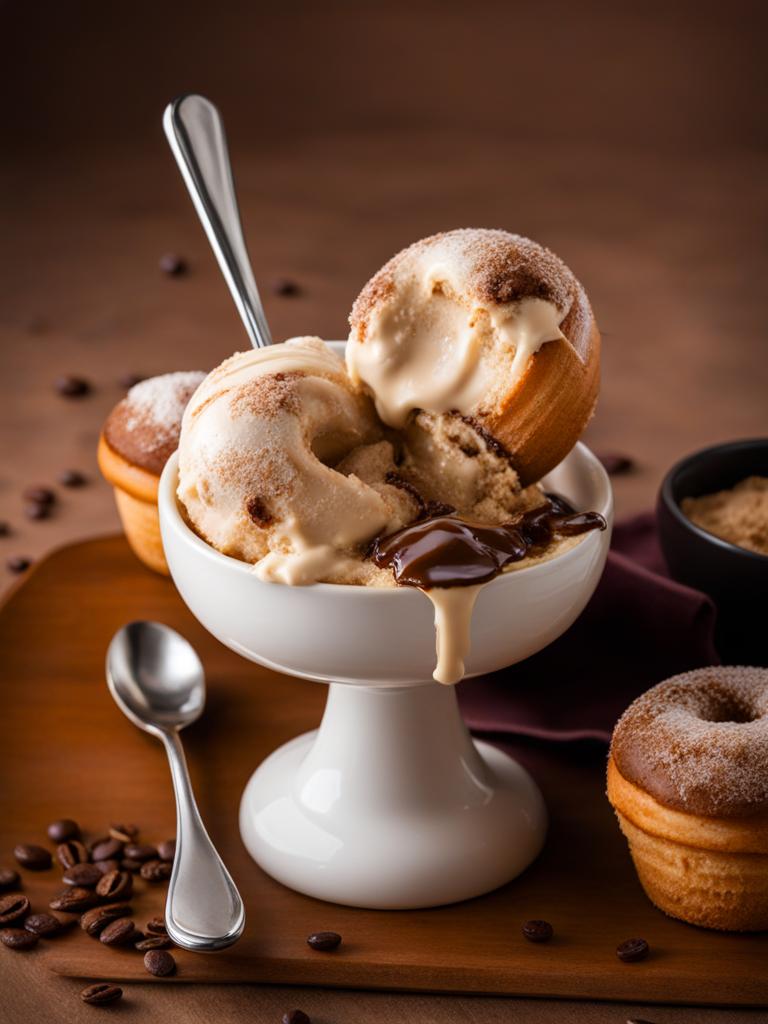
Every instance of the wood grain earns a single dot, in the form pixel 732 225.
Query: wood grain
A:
pixel 67 751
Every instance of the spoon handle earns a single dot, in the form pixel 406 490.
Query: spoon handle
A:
pixel 204 910
pixel 195 132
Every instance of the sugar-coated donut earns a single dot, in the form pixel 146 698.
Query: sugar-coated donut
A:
pixel 488 325
pixel 688 779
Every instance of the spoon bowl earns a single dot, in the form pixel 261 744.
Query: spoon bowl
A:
pixel 155 676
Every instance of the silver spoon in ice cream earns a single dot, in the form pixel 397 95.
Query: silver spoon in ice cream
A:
pixel 157 681
pixel 195 132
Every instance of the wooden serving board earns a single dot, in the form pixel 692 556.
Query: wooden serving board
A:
pixel 66 751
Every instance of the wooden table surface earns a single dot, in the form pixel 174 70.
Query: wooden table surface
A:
pixel 632 142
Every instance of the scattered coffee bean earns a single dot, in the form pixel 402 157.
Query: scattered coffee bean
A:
pixel 632 950
pixel 70 853
pixel 129 865
pixel 538 931
pixel 33 511
pixel 117 885
pixel 62 830
pixel 153 942
pixel 5 528
pixel 140 851
pixel 18 564
pixel 173 265
pixel 615 465
pixel 130 380
pixel 18 938
pixel 119 932
pixel 124 833
pixel 285 286
pixel 13 907
pixel 296 1017
pixel 167 850
pixel 43 925
pixel 155 871
pixel 324 941
pixel 96 920
pixel 72 387
pixel 159 962
pixel 39 495
pixel 109 849
pixel 84 875
pixel 157 926
pixel 105 866
pixel 9 879
pixel 74 900
pixel 72 478
pixel 32 857
pixel 101 994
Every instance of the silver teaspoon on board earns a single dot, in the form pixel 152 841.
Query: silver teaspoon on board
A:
pixel 195 132
pixel 157 681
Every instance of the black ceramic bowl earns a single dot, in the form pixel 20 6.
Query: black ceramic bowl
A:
pixel 731 575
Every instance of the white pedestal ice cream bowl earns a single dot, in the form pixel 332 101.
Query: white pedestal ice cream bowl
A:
pixel 390 803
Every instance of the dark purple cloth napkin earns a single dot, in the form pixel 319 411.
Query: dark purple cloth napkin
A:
pixel 639 628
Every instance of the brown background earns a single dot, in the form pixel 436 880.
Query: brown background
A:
pixel 630 138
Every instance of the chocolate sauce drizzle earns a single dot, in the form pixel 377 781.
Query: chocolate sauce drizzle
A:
pixel 446 551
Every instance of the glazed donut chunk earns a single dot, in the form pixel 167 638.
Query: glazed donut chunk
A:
pixel 486 324
pixel 259 440
pixel 688 779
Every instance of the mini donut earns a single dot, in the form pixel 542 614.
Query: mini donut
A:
pixel 487 325
pixel 261 465
pixel 688 779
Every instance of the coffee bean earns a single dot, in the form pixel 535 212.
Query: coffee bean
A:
pixel 72 387
pixel 285 287
pixel 159 962
pixel 70 853
pixel 96 920
pixel 130 380
pixel 43 925
pixel 33 511
pixel 140 852
pixel 153 942
pixel 538 931
pixel 31 857
pixel 72 478
pixel 632 950
pixel 13 907
pixel 637 1020
pixel 62 830
pixel 324 941
pixel 117 885
pixel 107 850
pixel 129 865
pixel 156 871
pixel 157 926
pixel 18 938
pixel 167 850
pixel 74 900
pixel 9 879
pixel 119 932
pixel 616 465
pixel 5 528
pixel 296 1017
pixel 105 866
pixel 101 994
pixel 65 920
pixel 84 875
pixel 18 564
pixel 173 265
pixel 39 495
pixel 124 833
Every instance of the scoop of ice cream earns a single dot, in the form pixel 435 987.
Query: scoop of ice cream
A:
pixel 268 471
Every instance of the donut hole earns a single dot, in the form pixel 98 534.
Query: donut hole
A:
pixel 729 710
